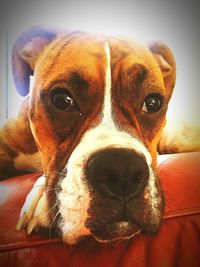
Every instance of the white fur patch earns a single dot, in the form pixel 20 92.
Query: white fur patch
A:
pixel 154 198
pixel 74 197
pixel 74 201
pixel 107 106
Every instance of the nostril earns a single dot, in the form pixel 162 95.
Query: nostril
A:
pixel 135 177
pixel 134 188
pixel 117 173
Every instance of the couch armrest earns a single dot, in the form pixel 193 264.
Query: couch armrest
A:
pixel 177 243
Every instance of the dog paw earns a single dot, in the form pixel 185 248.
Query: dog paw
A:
pixel 34 212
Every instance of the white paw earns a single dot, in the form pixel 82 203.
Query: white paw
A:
pixel 34 212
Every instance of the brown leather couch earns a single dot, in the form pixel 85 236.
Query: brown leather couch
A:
pixel 177 244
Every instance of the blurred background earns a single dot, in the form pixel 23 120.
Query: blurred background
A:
pixel 176 22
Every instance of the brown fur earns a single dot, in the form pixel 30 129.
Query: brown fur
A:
pixel 15 137
pixel 76 62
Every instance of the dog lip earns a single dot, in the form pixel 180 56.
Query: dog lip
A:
pixel 116 231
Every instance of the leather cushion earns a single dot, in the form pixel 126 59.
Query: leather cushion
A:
pixel 177 244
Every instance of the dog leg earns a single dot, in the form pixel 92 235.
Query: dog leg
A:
pixel 18 150
pixel 179 137
pixel 35 209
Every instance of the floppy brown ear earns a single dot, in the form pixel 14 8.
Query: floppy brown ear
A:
pixel 166 61
pixel 25 52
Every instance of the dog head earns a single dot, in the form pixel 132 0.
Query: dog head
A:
pixel 97 109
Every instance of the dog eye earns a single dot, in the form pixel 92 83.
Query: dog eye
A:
pixel 152 103
pixel 63 100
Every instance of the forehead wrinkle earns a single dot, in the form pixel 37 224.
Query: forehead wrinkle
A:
pixel 133 79
pixel 139 73
pixel 72 80
pixel 137 69
pixel 53 48
pixel 91 71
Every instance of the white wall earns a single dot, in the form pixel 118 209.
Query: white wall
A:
pixel 3 80
pixel 175 22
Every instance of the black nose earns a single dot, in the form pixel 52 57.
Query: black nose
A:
pixel 118 172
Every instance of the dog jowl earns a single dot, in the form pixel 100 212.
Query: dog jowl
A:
pixel 95 112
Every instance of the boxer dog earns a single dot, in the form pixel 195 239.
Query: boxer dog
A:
pixel 91 122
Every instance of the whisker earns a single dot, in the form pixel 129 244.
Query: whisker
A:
pixel 155 67
pixel 47 177
pixel 39 174
pixel 53 207
pixel 52 224
pixel 34 175
pixel 63 173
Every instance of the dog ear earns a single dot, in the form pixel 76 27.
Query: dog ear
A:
pixel 166 62
pixel 25 52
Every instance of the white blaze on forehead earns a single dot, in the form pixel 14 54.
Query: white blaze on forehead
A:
pixel 74 197
pixel 107 105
